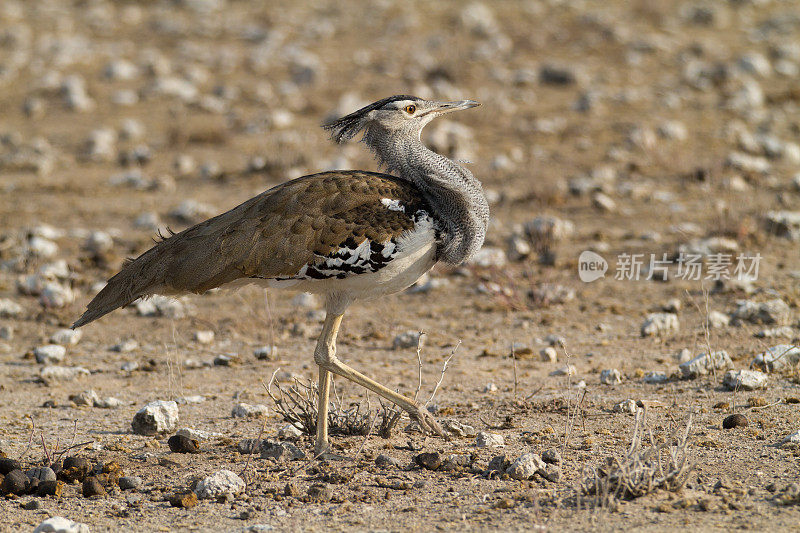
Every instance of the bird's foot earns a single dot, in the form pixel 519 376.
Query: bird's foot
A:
pixel 426 421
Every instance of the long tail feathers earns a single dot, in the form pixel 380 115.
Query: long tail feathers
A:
pixel 139 277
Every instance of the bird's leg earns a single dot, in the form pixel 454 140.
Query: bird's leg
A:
pixel 323 391
pixel 325 357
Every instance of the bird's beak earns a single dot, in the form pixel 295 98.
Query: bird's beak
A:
pixel 446 107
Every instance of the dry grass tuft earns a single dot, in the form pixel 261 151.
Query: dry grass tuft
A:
pixel 643 469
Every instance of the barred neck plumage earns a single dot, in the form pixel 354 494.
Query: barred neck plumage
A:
pixel 453 192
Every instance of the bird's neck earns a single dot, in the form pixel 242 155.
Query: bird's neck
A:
pixel 452 191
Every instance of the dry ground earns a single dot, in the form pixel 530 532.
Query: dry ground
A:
pixel 265 78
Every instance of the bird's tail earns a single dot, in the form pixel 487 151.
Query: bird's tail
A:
pixel 139 277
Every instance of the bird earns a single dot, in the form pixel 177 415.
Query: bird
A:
pixel 348 235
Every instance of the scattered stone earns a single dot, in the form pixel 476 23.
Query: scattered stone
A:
pixel 266 353
pixel 226 360
pixel 787 332
pixel 219 484
pixel 130 482
pixel 7 465
pixel 626 406
pixel 566 370
pixel 526 466
pixel 15 482
pixel 556 75
pixel 407 339
pixel 182 444
pixel 244 410
pixel 655 377
pixel 43 473
pixel 75 469
pixel 774 311
pixel 777 357
pixel 490 388
pixel 88 397
pixel 745 379
pixel 611 376
pixel 50 374
pixel 548 355
pixel 156 417
pixel 59 524
pixel 281 451
pixel 498 464
pixel 718 320
pixel 49 354
pixel 183 500
pixel 56 295
pixel 457 428
pixel 552 456
pixel 125 346
pixel 660 324
pixel 50 488
pixel 93 487
pixel 733 421
pixel 784 224
pixel 456 461
pixel 551 293
pixel 489 440
pixel 204 336
pixel 604 202
pixel 683 355
pixel 385 461
pixel 793 438
pixel 544 228
pixel 66 337
pixel 289 431
pixel 704 363
pixel 429 460
pixel 672 306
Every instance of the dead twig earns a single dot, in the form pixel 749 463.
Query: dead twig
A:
pixel 444 369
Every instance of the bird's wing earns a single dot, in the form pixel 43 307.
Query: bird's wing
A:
pixel 273 235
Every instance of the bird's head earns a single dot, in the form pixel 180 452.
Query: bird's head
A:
pixel 396 115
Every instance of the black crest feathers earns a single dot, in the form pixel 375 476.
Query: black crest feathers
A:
pixel 345 128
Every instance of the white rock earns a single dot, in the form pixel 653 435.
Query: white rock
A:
pixel 173 86
pixel 656 376
pixel 793 438
pixel 489 256
pixel 156 417
pixel 56 295
pixel 604 202
pixel 748 163
pixel 489 388
pixel 99 241
pixel 611 376
pixel 566 370
pixel 204 336
pixel 88 397
pixel 62 373
pixel 125 346
pixel 289 431
pixel 626 406
pixel 784 224
pixel 682 355
pixel 718 320
pixel 9 308
pixel 102 144
pixel 66 337
pixel 41 247
pixel 407 339
pixel 780 331
pixel 745 379
pixel 660 324
pixel 121 69
pixel 59 524
pixel 526 466
pixel 219 484
pixel 704 363
pixel 489 440
pixel 548 227
pixel 774 311
pixel 548 354
pixel 266 353
pixel 244 410
pixel 673 130
pixel 777 357
pixel 49 354
pixel 198 434
pixel 457 428
pixel 109 402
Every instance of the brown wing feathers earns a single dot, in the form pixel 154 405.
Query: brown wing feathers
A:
pixel 269 236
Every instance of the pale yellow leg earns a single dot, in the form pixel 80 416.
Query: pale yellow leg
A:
pixel 321 444
pixel 325 357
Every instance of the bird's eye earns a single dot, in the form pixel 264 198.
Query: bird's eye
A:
pixel 410 109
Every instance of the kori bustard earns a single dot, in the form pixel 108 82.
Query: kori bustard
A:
pixel 347 234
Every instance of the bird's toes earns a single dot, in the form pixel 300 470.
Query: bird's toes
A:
pixel 427 422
